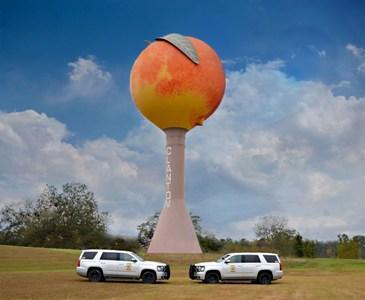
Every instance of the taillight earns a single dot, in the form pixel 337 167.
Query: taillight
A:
pixel 78 263
pixel 281 267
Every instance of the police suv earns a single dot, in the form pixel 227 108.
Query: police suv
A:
pixel 256 267
pixel 99 265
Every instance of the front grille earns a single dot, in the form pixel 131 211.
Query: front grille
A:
pixel 167 272
pixel 192 272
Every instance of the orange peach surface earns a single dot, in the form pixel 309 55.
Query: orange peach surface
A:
pixel 171 91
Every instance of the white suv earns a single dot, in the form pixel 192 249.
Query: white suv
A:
pixel 257 267
pixel 99 265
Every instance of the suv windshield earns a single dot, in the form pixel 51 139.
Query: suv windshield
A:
pixel 222 258
pixel 138 257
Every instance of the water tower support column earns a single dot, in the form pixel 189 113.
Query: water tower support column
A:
pixel 175 232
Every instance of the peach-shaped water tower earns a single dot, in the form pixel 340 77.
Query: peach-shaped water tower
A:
pixel 177 82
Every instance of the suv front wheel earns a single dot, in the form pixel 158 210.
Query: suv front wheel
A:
pixel 149 277
pixel 211 277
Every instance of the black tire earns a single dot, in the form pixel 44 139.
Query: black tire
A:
pixel 95 275
pixel 211 278
pixel 264 278
pixel 149 277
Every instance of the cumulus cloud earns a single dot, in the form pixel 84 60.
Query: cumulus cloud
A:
pixel 87 77
pixel 328 118
pixel 34 151
pixel 288 145
pixel 321 186
pixel 86 81
pixel 276 146
pixel 341 84
pixel 359 53
pixel 356 51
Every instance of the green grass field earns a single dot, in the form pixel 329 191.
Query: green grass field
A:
pixel 38 273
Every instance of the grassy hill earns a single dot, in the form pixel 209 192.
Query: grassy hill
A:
pixel 40 273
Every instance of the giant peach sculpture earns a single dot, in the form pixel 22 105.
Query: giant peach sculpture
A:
pixel 177 82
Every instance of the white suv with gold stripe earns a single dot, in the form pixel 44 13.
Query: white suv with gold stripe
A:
pixel 99 265
pixel 253 266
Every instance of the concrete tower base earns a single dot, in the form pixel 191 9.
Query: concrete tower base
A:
pixel 175 231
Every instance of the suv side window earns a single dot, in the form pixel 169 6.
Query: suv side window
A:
pixel 250 258
pixel 126 257
pixel 235 259
pixel 110 256
pixel 88 255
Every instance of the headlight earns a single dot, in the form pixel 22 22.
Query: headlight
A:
pixel 200 268
pixel 160 268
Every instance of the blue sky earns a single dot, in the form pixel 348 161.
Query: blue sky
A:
pixel 290 128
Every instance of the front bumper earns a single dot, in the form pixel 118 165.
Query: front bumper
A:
pixel 165 274
pixel 194 274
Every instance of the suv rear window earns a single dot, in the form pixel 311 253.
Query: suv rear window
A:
pixel 88 255
pixel 271 258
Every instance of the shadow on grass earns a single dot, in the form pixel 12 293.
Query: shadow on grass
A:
pixel 236 282
pixel 110 281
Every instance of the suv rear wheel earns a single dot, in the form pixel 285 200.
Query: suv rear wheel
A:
pixel 211 278
pixel 149 277
pixel 95 275
pixel 264 278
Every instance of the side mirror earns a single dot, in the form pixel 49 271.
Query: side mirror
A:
pixel 227 261
pixel 134 260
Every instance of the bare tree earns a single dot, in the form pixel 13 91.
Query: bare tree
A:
pixel 271 226
pixel 275 231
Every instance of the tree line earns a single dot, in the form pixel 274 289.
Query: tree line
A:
pixel 70 218
pixel 60 219
pixel 272 235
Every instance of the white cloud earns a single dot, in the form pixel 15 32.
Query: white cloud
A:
pixel 306 223
pixel 361 67
pixel 359 53
pixel 87 81
pixel 276 146
pixel 319 227
pixel 246 228
pixel 319 52
pixel 84 69
pixel 321 186
pixel 34 151
pixel 356 51
pixel 229 62
pixel 287 144
pixel 341 84
pixel 328 116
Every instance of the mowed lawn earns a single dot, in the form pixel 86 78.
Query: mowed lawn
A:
pixel 38 273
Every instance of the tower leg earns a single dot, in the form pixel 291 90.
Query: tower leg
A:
pixel 174 231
